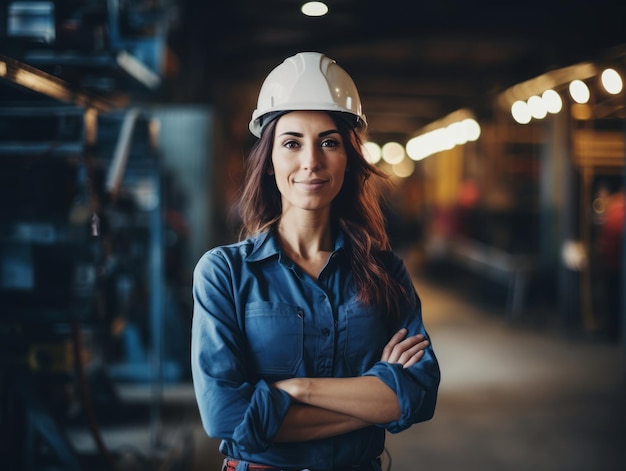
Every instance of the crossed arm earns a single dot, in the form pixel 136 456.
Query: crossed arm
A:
pixel 331 406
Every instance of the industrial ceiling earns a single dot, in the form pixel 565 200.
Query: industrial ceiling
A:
pixel 413 61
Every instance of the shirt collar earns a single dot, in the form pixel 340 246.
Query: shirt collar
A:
pixel 265 245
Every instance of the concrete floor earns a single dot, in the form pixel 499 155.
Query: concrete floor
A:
pixel 511 398
pixel 515 398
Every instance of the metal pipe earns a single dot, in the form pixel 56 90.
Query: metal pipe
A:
pixel 120 155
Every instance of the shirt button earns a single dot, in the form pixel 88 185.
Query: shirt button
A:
pixel 326 332
pixel 300 314
pixel 322 297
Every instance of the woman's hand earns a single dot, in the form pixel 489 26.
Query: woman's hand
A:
pixel 406 351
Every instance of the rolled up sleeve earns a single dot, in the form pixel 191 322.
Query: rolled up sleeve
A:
pixel 230 406
pixel 416 386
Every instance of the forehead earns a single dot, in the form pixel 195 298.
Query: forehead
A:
pixel 304 120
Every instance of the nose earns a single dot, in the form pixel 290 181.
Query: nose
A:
pixel 311 158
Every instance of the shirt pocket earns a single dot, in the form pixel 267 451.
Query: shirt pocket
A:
pixel 275 339
pixel 366 335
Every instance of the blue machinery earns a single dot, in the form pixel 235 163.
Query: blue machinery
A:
pixel 69 255
pixel 81 227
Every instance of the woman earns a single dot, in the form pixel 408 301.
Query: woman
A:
pixel 307 338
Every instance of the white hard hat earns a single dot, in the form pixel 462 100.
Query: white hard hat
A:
pixel 307 81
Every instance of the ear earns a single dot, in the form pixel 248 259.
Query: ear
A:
pixel 270 170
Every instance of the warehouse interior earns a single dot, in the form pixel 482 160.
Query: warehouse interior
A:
pixel 123 136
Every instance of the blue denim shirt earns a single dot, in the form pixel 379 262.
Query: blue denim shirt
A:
pixel 258 318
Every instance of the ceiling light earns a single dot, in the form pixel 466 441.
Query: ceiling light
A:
pixel 314 9
pixel 415 148
pixel 471 128
pixel 429 143
pixel 456 134
pixel 371 152
pixel 393 153
pixel 537 107
pixel 611 81
pixel 579 91
pixel 552 101
pixel 521 112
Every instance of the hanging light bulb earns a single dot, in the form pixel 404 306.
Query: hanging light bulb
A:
pixel 579 91
pixel 552 101
pixel 521 112
pixel 611 81
pixel 537 107
pixel 314 9
pixel 393 153
pixel 372 152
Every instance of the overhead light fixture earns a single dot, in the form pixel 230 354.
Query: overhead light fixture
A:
pixel 456 129
pixel 393 153
pixel 521 112
pixel 579 91
pixel 552 101
pixel 314 9
pixel 471 129
pixel 372 152
pixel 536 97
pixel 442 139
pixel 611 81
pixel 537 107
pixel 554 79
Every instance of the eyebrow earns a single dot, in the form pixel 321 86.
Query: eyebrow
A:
pixel 297 134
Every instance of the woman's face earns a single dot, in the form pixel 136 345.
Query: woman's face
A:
pixel 309 160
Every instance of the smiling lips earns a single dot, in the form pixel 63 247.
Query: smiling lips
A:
pixel 311 184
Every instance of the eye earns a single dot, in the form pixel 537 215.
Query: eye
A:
pixel 291 144
pixel 330 142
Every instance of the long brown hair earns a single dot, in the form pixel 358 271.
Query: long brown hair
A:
pixel 356 209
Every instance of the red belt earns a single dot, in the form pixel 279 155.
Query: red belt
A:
pixel 231 465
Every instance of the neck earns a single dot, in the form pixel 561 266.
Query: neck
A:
pixel 305 237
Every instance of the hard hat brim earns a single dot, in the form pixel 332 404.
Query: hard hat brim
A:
pixel 257 124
